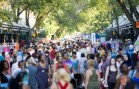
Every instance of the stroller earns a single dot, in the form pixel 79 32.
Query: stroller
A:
pixel 77 81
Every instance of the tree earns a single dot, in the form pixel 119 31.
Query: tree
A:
pixel 127 12
pixel 6 15
pixel 60 17
pixel 38 7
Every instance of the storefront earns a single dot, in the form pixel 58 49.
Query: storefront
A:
pixel 13 33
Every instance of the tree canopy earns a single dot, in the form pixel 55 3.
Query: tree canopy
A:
pixel 60 17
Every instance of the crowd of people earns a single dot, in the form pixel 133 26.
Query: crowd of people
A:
pixel 54 65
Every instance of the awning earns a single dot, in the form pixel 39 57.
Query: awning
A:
pixel 15 26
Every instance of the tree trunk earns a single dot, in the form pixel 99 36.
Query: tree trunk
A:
pixel 125 10
pixel 17 14
pixel 130 18
pixel 40 18
pixel 27 17
pixel 133 7
pixel 117 20
pixel 18 10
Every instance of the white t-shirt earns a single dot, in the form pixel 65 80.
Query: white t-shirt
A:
pixel 78 55
pixel 58 48
pixel 15 72
pixel 118 64
pixel 81 64
pixel 93 50
pixel 88 50
pixel 14 67
pixel 83 50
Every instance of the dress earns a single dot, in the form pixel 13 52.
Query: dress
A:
pixel 112 79
pixel 93 82
pixel 42 77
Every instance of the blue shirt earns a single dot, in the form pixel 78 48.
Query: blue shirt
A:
pixel 20 53
pixel 113 55
pixel 32 75
pixel 1 58
pixel 75 65
pixel 133 78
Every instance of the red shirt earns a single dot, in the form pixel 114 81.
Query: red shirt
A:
pixel 53 54
pixel 64 66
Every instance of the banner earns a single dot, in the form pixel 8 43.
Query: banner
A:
pixel 93 38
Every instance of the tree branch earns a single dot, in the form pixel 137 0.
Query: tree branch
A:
pixel 133 7
pixel 22 11
pixel 40 18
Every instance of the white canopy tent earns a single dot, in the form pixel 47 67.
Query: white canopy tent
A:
pixel 123 22
pixel 20 26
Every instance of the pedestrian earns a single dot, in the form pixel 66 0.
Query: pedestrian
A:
pixel 134 75
pixel 58 47
pixel 127 61
pixel 119 61
pixel 19 82
pixel 1 57
pixel 53 53
pixel 63 80
pixel 60 64
pixel 92 77
pixel 113 54
pixel 43 73
pixel 124 81
pixel 101 73
pixel 15 65
pixel 111 75
pixel 82 63
pixel 104 65
pixel 101 52
pixel 75 63
pixel 67 61
pixel 32 73
pixel 4 75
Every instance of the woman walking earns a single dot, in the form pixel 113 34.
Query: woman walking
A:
pixel 63 79
pixel 4 75
pixel 127 61
pixel 43 73
pixel 92 77
pixel 111 74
